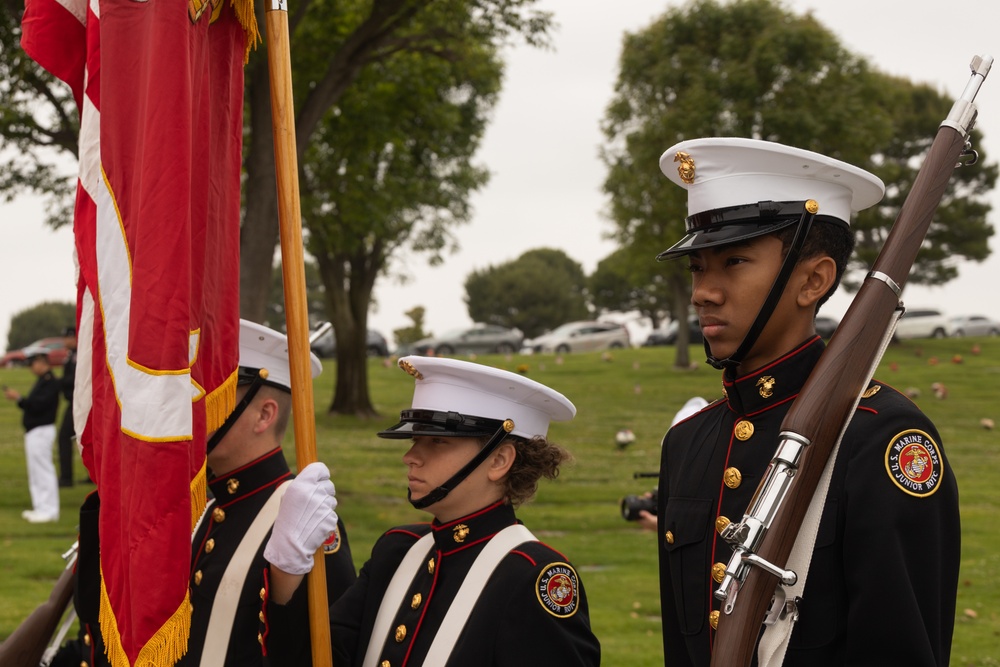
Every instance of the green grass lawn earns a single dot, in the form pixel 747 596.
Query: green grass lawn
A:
pixel 578 513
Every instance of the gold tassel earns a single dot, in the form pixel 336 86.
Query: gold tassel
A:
pixel 163 649
pixel 245 15
pixel 199 494
pixel 220 403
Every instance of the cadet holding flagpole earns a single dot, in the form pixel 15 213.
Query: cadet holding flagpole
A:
pixel 293 274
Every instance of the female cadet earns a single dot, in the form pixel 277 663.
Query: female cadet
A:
pixel 474 587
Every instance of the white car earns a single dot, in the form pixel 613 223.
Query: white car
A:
pixel 584 336
pixel 973 325
pixel 922 323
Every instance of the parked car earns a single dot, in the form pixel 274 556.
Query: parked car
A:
pixel 325 345
pixel 973 325
pixel 582 336
pixel 56 345
pixel 922 323
pixel 478 339
pixel 668 335
pixel 825 326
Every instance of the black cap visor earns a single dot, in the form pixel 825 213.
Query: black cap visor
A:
pixel 723 226
pixel 440 424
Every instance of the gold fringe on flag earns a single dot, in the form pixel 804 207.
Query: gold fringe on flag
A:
pixel 245 15
pixel 220 403
pixel 166 647
pixel 199 494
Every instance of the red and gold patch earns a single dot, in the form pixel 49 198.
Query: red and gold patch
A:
pixel 914 463
pixel 558 589
pixel 332 544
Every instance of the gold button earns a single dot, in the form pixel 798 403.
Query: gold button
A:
pixel 260 615
pixel 430 566
pixel 400 633
pixel 721 522
pixel 197 578
pixel 260 639
pixel 262 593
pixel 713 619
pixel 86 639
pixel 415 602
pixel 209 545
pixel 743 430
pixel 218 515
pixel 719 572
pixel 83 663
pixel 384 663
pixel 669 537
pixel 732 478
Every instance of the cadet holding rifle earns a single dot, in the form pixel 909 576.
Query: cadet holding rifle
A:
pixel 882 581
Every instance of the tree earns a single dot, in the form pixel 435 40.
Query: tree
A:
pixel 39 125
pixel 749 68
pixel 538 291
pixel 627 280
pixel 49 318
pixel 390 168
pixel 411 334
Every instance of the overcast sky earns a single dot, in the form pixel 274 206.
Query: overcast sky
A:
pixel 542 151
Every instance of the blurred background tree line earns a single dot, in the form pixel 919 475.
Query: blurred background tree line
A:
pixel 393 98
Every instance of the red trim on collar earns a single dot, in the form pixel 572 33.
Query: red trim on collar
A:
pixel 754 373
pixel 450 524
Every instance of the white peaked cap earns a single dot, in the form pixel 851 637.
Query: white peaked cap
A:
pixel 450 385
pixel 729 171
pixel 261 347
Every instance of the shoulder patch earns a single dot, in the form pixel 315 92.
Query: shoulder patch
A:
pixel 558 589
pixel 914 463
pixel 332 544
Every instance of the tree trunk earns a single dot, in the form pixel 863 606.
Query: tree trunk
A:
pixel 259 235
pixel 348 298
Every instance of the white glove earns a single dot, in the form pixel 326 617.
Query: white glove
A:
pixel 305 520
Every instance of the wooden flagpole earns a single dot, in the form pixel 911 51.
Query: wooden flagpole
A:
pixel 279 63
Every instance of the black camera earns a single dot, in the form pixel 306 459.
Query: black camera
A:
pixel 632 504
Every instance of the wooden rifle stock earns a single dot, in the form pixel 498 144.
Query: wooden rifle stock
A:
pixel 824 407
pixel 26 645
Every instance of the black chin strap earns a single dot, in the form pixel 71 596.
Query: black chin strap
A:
pixel 440 492
pixel 771 302
pixel 255 385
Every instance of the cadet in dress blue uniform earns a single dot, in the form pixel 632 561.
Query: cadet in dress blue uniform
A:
pixel 882 584
pixel 247 475
pixel 474 587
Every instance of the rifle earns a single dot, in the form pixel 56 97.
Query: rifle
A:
pixel 818 417
pixel 27 644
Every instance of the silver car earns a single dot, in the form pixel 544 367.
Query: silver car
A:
pixel 481 339
pixel 581 336
pixel 973 325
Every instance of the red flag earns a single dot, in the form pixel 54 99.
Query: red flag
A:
pixel 160 91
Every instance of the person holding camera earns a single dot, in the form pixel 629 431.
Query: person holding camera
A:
pixel 642 508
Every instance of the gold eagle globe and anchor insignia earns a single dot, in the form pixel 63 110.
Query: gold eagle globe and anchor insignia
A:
pixel 408 367
pixel 460 532
pixel 232 485
pixel 765 385
pixel 686 167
